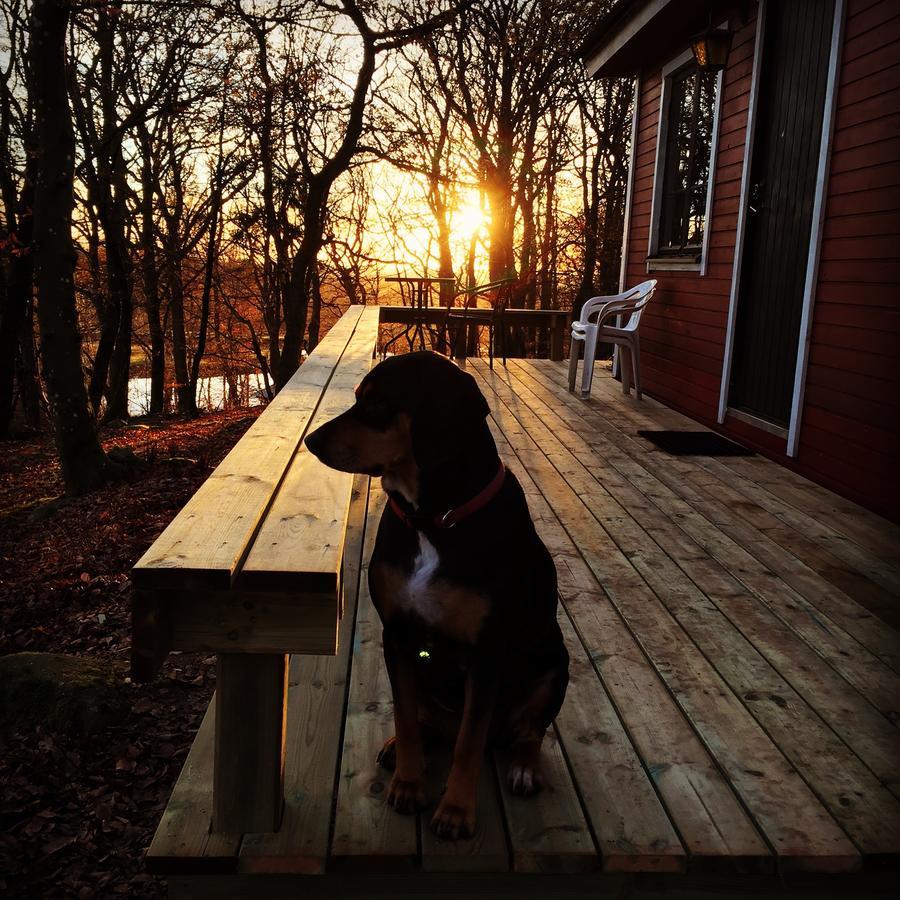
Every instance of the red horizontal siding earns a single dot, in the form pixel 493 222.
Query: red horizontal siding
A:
pixel 856 409
pixel 850 435
pixel 854 361
pixel 862 387
pixel 884 319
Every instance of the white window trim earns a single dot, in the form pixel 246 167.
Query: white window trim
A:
pixel 742 215
pixel 668 264
pixel 629 195
pixel 629 187
pixel 818 223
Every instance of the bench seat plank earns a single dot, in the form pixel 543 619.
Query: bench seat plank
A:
pixel 205 543
pixel 299 546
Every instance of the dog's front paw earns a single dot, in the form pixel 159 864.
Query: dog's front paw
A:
pixel 454 821
pixel 407 795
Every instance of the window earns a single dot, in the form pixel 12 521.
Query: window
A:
pixel 682 173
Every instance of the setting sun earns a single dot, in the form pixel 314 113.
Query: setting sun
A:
pixel 467 221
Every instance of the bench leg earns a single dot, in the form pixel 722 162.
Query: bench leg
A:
pixel 251 691
pixel 151 635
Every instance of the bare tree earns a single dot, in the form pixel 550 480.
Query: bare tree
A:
pixel 602 148
pixel 323 161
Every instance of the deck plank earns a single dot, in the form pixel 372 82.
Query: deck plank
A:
pixel 205 543
pixel 712 823
pixel 661 478
pixel 860 725
pixel 733 505
pixel 368 834
pixel 184 840
pixel 547 831
pixel 299 546
pixel 487 850
pixel 868 813
pixel 631 826
pixel 315 721
pixel 795 822
pixel 873 549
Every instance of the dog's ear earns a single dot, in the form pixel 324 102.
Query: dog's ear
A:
pixel 450 411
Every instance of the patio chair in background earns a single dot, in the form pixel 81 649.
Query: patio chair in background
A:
pixel 630 303
pixel 500 290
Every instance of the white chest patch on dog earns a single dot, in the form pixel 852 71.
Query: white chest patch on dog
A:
pixel 419 594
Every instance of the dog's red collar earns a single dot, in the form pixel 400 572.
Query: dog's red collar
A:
pixel 458 513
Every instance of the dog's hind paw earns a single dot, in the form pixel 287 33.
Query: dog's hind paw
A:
pixel 407 795
pixel 387 755
pixel 523 779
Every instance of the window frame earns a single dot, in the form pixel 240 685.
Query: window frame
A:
pixel 675 262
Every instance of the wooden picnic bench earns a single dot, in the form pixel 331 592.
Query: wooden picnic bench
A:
pixel 265 566
pixel 251 569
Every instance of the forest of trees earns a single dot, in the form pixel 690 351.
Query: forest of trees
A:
pixel 192 188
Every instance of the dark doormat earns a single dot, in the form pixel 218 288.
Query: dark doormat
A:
pixel 695 443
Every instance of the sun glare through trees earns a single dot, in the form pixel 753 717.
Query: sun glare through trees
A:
pixel 245 169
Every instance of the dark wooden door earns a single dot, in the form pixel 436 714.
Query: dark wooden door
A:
pixel 791 100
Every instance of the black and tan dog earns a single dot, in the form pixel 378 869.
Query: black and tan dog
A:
pixel 464 586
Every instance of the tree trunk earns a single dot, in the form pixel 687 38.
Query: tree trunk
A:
pixel 82 459
pixel 501 255
pixel 296 300
pixel 184 390
pixel 315 318
pixel 212 254
pixel 113 213
pixel 17 294
pixel 591 223
pixel 527 192
pixel 30 393
pixel 206 293
pixel 150 274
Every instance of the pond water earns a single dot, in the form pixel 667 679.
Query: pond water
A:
pixel 214 392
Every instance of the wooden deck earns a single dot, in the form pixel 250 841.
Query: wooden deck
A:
pixel 734 699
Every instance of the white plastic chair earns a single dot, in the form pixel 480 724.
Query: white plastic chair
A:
pixel 632 303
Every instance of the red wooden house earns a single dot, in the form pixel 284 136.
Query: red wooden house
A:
pixel 765 198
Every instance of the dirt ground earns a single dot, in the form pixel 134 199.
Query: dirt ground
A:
pixel 78 811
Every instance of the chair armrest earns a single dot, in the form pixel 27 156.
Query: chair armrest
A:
pixel 604 310
pixel 602 305
pixel 616 308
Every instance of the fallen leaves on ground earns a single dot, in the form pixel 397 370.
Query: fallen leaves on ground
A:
pixel 78 812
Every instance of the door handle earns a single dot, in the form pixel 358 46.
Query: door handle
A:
pixel 755 202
